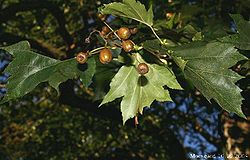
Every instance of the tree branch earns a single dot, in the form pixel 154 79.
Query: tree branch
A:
pixel 197 127
pixel 45 48
pixel 10 12
pixel 68 97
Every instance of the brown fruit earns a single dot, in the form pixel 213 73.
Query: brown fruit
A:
pixel 128 45
pixel 133 30
pixel 142 68
pixel 124 33
pixel 101 16
pixel 105 56
pixel 169 15
pixel 82 57
pixel 105 29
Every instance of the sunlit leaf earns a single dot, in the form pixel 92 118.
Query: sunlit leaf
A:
pixel 130 9
pixel 140 91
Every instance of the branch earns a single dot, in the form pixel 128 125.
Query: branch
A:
pixel 68 97
pixel 10 12
pixel 197 127
pixel 1 4
pixel 2 85
pixel 45 48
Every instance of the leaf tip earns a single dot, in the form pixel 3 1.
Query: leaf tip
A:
pixel 100 105
pixel 240 113
pixel 124 120
pixel 126 117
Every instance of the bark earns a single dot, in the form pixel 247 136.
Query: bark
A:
pixel 236 133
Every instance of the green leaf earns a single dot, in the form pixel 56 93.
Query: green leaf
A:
pixel 103 77
pixel 130 9
pixel 139 91
pixel 28 69
pixel 207 68
pixel 87 74
pixel 242 39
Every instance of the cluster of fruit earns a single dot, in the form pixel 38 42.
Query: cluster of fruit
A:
pixel 105 54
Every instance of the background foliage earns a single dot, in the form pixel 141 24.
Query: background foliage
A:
pixel 70 126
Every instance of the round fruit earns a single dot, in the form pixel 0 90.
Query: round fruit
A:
pixel 128 45
pixel 105 56
pixel 169 15
pixel 105 29
pixel 101 16
pixel 142 68
pixel 133 30
pixel 124 33
pixel 82 57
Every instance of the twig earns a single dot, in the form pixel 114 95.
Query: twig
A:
pixel 2 85
pixel 112 30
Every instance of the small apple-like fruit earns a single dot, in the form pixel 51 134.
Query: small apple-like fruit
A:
pixel 105 56
pixel 169 15
pixel 128 45
pixel 105 29
pixel 101 16
pixel 124 33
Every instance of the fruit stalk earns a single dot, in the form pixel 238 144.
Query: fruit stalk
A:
pixel 112 30
pixel 156 34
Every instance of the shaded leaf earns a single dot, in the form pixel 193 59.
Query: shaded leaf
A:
pixel 88 72
pixel 140 91
pixel 28 69
pixel 242 39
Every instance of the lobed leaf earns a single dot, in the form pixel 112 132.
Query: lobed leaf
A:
pixel 140 91
pixel 207 67
pixel 28 69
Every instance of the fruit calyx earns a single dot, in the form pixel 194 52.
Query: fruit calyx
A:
pixel 82 57
pixel 142 68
